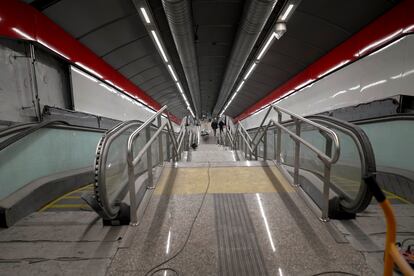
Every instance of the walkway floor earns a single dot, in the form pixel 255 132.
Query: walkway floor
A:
pixel 204 219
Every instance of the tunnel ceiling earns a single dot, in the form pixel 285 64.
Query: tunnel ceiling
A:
pixel 113 30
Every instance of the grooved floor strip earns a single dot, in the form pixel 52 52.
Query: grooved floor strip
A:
pixel 238 248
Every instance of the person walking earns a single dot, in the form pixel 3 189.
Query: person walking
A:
pixel 221 126
pixel 214 126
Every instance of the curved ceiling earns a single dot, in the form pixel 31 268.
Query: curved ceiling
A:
pixel 113 30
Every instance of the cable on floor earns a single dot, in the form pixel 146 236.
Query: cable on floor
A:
pixel 154 268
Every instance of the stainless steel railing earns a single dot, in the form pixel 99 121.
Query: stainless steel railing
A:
pixel 146 149
pixel 118 164
pixel 332 147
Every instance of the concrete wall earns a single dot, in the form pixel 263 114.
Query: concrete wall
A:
pixel 17 81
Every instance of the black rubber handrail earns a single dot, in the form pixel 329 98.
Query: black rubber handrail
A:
pixel 4 144
pixel 364 196
pixel 15 128
pixel 367 156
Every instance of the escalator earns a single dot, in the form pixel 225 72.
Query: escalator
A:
pixel 393 153
pixel 40 162
pixel 348 192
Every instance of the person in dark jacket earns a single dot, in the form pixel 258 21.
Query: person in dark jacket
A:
pixel 214 126
pixel 221 126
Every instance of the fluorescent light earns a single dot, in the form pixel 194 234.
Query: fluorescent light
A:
pixel 53 49
pixel 304 84
pixel 179 87
pixel 157 41
pixel 107 87
pixel 334 68
pixel 144 13
pixel 20 32
pixel 250 71
pixel 287 12
pixel 84 74
pixel 172 73
pixel 386 47
pixel 264 49
pixel 408 29
pixel 240 86
pixel 380 41
pixel 89 69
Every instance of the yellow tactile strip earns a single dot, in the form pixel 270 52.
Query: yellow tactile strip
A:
pixel 184 181
pixel 60 203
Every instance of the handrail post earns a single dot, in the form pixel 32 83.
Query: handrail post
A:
pixel 132 193
pixel 160 149
pixel 279 139
pixel 265 145
pixel 167 140
pixel 274 144
pixel 326 187
pixel 326 181
pixel 297 154
pixel 150 184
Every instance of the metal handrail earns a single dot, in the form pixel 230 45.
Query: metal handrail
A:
pixel 332 147
pixel 7 142
pixel 132 162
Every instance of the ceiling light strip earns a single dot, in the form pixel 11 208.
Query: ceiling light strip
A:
pixel 145 15
pixel 157 41
pixel 262 52
pixel 152 28
pixel 287 12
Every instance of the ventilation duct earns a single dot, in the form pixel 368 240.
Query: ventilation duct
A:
pixel 254 19
pixel 180 21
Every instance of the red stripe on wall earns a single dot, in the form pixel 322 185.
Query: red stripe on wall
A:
pixel 394 24
pixel 19 20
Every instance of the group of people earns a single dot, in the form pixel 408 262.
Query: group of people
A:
pixel 215 125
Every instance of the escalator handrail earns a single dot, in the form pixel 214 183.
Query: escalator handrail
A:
pixel 366 154
pixel 15 128
pixel 363 139
pixel 388 118
pixel 4 144
pixel 100 163
pixel 367 157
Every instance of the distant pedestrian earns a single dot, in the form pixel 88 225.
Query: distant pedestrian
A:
pixel 214 126
pixel 221 125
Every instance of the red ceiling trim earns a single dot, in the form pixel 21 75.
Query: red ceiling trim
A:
pixel 19 20
pixel 397 22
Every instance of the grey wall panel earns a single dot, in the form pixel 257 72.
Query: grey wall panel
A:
pixel 52 81
pixel 15 83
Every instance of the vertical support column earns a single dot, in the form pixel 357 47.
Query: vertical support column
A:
pixel 297 154
pixel 327 181
pixel 35 88
pixel 279 139
pixel 133 220
pixel 150 184
pixel 274 144
pixel 265 146
pixel 160 149
pixel 167 140
pixel 326 186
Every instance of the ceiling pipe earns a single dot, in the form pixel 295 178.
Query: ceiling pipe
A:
pixel 253 21
pixel 180 21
